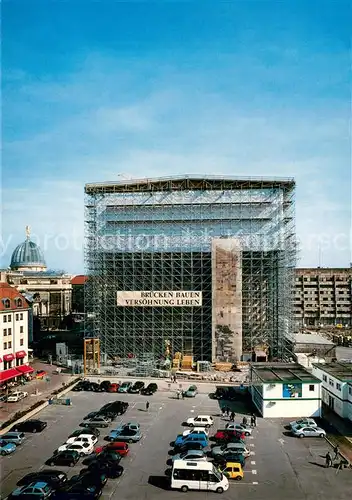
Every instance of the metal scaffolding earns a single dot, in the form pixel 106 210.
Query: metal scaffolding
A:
pixel 159 234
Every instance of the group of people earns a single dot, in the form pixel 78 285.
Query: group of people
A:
pixel 328 458
pixel 226 412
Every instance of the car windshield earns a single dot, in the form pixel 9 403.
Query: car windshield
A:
pixel 299 427
pixel 217 473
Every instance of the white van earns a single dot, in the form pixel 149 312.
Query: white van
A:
pixel 188 475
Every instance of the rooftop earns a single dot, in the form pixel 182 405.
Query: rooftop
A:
pixel 189 182
pixel 10 298
pixel 283 372
pixel 341 371
pixel 80 279
pixel 311 338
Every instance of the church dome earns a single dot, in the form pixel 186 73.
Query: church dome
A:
pixel 28 256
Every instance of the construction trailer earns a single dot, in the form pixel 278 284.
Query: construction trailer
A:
pixel 203 263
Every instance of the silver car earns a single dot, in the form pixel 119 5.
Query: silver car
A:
pixel 304 431
pixel 308 422
pixel 191 455
pixel 13 437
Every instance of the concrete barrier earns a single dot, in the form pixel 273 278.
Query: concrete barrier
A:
pixel 36 410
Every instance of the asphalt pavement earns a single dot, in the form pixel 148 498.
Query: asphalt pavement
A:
pixel 279 465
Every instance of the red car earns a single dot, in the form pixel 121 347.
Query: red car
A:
pixel 40 374
pixel 227 435
pixel 113 387
pixel 118 447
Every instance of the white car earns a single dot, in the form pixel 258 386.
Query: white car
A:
pixel 83 448
pixel 240 428
pixel 17 396
pixel 200 421
pixel 84 438
pixel 302 431
pixel 196 430
pixel 309 422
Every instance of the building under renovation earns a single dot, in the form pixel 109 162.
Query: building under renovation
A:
pixel 192 265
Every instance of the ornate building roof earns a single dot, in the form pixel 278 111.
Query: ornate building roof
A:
pixel 28 256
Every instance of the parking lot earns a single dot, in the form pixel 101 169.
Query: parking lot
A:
pixel 279 465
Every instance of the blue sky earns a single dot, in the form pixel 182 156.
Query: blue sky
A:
pixel 94 90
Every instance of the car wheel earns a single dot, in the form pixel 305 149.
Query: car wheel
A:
pixel 184 488
pixel 219 490
pixel 322 435
pixel 191 425
pixel 3 453
pixel 207 426
pixel 81 454
pixel 34 431
pixel 301 435
pixel 238 478
pixel 51 464
pixel 71 464
pixel 247 434
pixel 105 425
pixel 130 440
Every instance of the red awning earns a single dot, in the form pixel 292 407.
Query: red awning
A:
pixel 20 354
pixel 0 360
pixel 8 374
pixel 9 357
pixel 24 369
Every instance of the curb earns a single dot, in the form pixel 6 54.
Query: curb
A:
pixel 38 409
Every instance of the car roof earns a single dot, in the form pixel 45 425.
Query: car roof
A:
pixel 39 484
pixel 233 464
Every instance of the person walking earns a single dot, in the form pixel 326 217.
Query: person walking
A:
pixel 244 421
pixel 183 395
pixel 232 416
pixel 336 452
pixel 328 459
pixel 253 420
pixel 223 412
pixel 227 411
pixel 147 406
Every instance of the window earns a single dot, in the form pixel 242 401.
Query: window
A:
pixel 9 345
pixel 19 302
pixel 350 391
pixel 5 346
pixel 17 316
pixel 325 378
pixel 331 382
pixel 21 342
pixel 9 318
pixel 21 315
pixel 21 329
pixel 5 318
pixel 311 387
pixel 9 331
pixel 6 303
pixel 338 386
pixel 5 332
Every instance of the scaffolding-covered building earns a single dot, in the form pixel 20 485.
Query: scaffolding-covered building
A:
pixel 201 264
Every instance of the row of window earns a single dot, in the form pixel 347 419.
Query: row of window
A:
pixel 8 364
pixel 8 319
pixel 7 303
pixel 331 382
pixel 8 345
pixel 8 331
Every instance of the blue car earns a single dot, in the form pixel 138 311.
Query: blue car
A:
pixel 6 448
pixel 191 438
pixel 126 434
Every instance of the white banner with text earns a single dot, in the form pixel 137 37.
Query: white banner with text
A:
pixel 159 299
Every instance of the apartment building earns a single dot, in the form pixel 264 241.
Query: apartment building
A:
pixel 13 333
pixel 336 390
pixel 323 297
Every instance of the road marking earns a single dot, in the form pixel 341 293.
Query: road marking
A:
pixel 250 437
pixel 254 482
pixel 252 444
pixel 252 462
pixel 192 411
pixel 254 471
pixel 252 453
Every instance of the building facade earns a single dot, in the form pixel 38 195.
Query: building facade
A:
pixel 203 265
pixel 336 384
pixel 285 390
pixel 13 332
pixel 323 297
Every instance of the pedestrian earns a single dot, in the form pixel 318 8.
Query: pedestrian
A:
pixel 227 411
pixel 328 459
pixel 244 421
pixel 337 452
pixel 147 406
pixel 253 420
pixel 223 412
pixel 183 395
pixel 232 416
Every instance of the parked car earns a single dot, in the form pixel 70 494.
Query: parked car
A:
pixel 53 477
pixel 191 392
pixel 113 388
pixel 196 430
pixel 240 428
pixel 190 446
pixel 87 478
pixel 238 447
pixel 6 448
pixel 113 470
pixel 200 421
pixel 227 435
pixel 229 456
pixel 149 390
pixel 191 438
pixel 304 431
pixel 102 421
pixel 29 426
pixel 13 437
pixel 83 448
pixel 40 374
pixel 134 426
pixel 83 438
pixel 39 489
pixel 232 470
pixel 190 455
pixel 124 387
pixel 78 491
pixel 125 434
pixel 114 408
pixel 104 456
pixel 69 457
pixel 87 430
pixel 136 388
pixel 118 447
pixel 105 385
pixel 16 396
pixel 91 415
pixel 305 422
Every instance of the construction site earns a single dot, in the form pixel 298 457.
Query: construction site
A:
pixel 187 273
